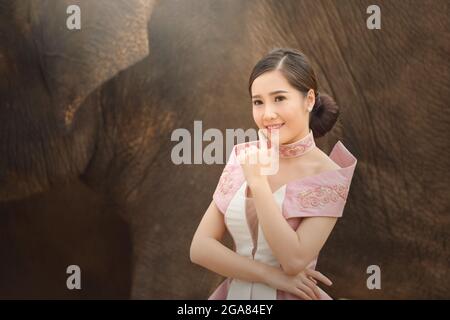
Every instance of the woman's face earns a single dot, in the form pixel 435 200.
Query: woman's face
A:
pixel 276 102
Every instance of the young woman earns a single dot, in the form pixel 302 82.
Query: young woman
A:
pixel 278 222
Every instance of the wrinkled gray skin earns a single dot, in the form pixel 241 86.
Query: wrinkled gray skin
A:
pixel 86 117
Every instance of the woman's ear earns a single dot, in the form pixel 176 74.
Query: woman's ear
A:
pixel 310 100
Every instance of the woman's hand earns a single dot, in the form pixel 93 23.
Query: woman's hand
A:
pixel 303 285
pixel 249 159
pixel 258 162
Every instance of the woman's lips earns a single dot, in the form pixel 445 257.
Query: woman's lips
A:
pixel 275 126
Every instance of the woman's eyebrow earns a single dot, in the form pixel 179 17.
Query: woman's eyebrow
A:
pixel 270 94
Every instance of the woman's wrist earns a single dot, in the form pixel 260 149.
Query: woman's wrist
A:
pixel 266 272
pixel 259 184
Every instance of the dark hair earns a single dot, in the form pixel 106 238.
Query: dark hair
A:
pixel 297 69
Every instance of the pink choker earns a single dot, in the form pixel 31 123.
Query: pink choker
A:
pixel 298 148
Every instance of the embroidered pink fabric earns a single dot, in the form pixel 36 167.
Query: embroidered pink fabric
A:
pixel 299 147
pixel 322 194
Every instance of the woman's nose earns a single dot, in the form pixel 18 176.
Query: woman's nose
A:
pixel 269 113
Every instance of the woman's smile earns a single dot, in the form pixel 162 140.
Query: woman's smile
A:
pixel 274 126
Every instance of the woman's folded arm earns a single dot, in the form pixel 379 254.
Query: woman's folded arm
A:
pixel 207 251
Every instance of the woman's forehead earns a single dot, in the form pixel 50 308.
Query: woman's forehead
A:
pixel 270 82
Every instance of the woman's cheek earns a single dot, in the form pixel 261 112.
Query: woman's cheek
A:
pixel 257 117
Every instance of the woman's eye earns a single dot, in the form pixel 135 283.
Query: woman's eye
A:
pixel 258 102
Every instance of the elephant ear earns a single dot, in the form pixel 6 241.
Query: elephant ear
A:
pixel 113 36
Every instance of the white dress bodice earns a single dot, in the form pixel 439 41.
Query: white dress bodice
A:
pixel 238 226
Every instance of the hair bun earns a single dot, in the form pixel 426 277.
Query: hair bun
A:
pixel 323 115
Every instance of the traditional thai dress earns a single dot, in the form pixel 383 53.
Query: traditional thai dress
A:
pixel 322 194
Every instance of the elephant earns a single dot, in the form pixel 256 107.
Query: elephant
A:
pixel 86 175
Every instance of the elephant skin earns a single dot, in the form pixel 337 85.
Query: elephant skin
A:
pixel 85 140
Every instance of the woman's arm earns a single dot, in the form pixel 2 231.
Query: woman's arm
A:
pixel 294 250
pixel 207 250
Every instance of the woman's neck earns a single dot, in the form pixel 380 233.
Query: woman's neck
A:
pixel 299 147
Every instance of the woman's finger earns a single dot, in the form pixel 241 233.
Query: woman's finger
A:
pixel 320 277
pixel 313 287
pixel 317 275
pixel 312 279
pixel 301 294
pixel 253 155
pixel 307 290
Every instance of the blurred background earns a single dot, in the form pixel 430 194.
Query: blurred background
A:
pixel 86 116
